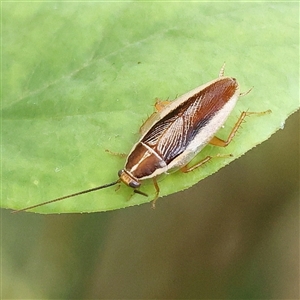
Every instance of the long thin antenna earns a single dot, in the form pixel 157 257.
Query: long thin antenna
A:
pixel 69 196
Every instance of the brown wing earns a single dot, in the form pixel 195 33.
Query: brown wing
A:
pixel 171 135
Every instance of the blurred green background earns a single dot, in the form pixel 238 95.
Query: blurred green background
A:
pixel 234 235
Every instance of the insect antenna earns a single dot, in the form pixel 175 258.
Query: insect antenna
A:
pixel 69 196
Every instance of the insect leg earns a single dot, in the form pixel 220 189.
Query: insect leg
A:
pixel 215 141
pixel 160 105
pixel 223 143
pixel 122 155
pixel 157 192
pixel 187 169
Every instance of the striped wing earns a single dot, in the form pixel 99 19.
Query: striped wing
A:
pixel 171 135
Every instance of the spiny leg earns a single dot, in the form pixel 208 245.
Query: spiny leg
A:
pixel 161 104
pixel 157 192
pixel 187 169
pixel 223 143
pixel 122 155
pixel 215 141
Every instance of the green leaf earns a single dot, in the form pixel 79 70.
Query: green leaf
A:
pixel 80 78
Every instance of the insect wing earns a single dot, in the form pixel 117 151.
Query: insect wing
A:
pixel 171 135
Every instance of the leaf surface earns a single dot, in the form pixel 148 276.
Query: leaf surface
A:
pixel 80 78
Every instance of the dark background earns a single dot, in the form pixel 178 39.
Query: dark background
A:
pixel 235 235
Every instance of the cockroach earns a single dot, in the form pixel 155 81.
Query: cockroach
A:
pixel 176 133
